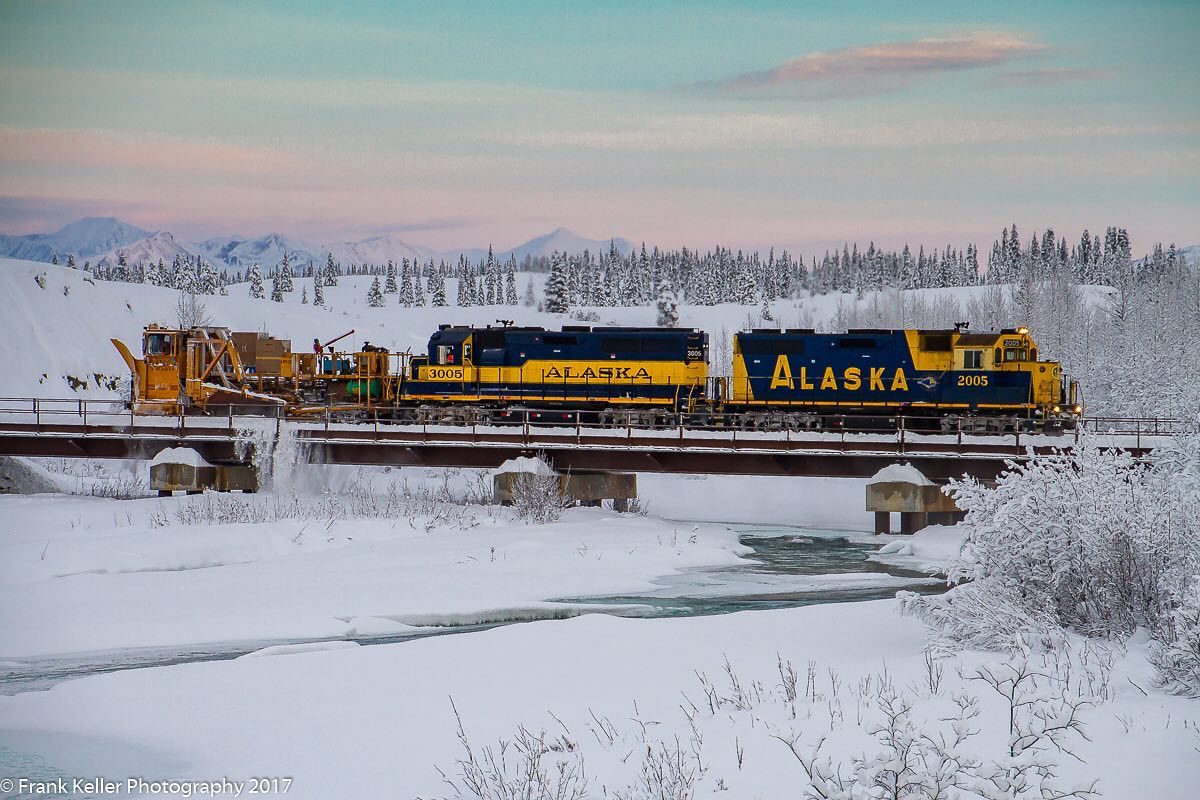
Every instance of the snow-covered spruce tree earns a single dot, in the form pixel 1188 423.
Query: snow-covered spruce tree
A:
pixel 303 295
pixel 276 289
pixel 1091 540
pixel 331 271
pixel 389 286
pixel 418 286
pixel 209 279
pixel 406 285
pixel 285 275
pixel 668 308
pixel 256 282
pixel 510 281
pixel 375 296
pixel 530 299
pixel 318 292
pixel 439 292
pixel 556 284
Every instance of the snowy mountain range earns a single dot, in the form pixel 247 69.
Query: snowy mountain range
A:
pixel 85 238
pixel 102 240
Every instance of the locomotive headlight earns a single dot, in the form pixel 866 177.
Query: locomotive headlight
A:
pixel 1022 330
pixel 1078 409
pixel 1057 409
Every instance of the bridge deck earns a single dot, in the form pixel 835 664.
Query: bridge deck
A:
pixel 679 450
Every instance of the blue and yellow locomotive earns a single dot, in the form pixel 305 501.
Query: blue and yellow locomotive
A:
pixel 992 378
pixel 554 374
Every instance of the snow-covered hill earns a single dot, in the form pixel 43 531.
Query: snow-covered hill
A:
pixel 381 249
pixel 160 246
pixel 238 252
pixel 563 240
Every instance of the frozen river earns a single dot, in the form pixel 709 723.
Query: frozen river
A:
pixel 790 567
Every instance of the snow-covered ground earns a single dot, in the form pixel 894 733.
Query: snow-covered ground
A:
pixel 372 721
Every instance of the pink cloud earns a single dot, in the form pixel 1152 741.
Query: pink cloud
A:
pixel 881 67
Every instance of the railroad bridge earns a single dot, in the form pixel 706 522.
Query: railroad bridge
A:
pixel 847 447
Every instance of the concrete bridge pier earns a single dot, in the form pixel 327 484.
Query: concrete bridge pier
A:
pixel 184 470
pixel 901 488
pixel 584 488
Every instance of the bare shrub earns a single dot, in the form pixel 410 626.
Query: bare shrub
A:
pixel 924 758
pixel 120 487
pixel 667 773
pixel 527 767
pixel 424 508
pixel 191 312
pixel 538 497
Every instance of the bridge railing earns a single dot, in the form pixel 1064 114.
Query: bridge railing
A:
pixel 45 415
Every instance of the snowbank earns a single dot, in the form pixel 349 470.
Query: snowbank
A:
pixel 525 464
pixel 900 473
pixel 293 649
pixel 180 455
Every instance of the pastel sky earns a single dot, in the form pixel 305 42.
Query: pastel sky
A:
pixel 693 123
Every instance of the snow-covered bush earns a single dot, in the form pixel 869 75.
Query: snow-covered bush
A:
pixel 982 615
pixel 1090 539
pixel 1178 658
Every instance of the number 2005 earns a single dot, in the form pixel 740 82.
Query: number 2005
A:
pixel 972 380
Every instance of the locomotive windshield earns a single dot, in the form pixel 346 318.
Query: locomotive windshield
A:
pixel 158 344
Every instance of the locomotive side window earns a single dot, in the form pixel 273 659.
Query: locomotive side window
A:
pixel 445 354
pixel 973 359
